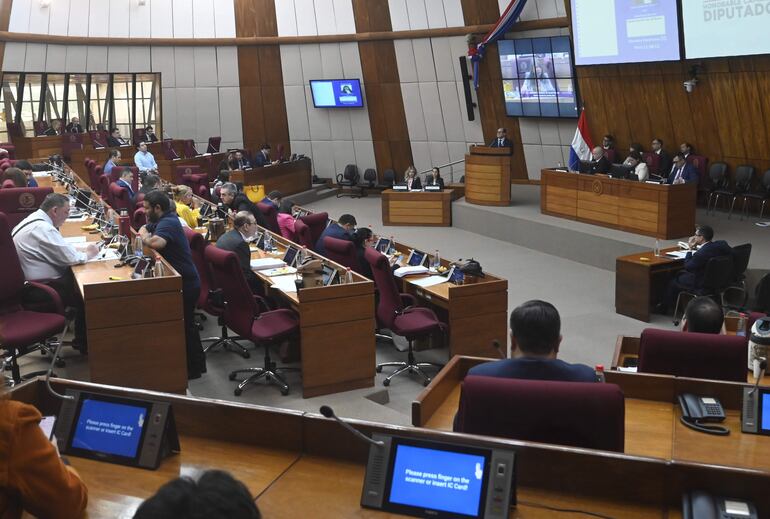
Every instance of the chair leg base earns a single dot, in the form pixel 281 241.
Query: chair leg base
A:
pixel 272 377
pixel 229 344
pixel 408 367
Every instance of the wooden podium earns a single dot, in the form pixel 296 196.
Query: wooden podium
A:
pixel 488 176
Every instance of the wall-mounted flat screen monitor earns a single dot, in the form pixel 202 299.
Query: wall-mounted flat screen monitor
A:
pixel 336 93
pixel 713 29
pixel 626 31
pixel 538 77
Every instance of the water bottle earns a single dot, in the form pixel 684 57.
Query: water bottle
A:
pixel 436 261
pixel 392 247
pixel 741 329
pixel 138 246
pixel 599 370
pixel 348 276
pixel 657 247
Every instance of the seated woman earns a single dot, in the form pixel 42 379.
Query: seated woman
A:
pixel 435 179
pixel 363 238
pixel 286 220
pixel 186 206
pixel 411 179
pixel 640 167
pixel 34 479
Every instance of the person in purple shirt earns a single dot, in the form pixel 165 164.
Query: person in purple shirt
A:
pixel 535 340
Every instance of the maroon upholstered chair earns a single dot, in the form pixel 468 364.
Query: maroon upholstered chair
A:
pixel 409 321
pixel 190 176
pixel 10 148
pixel 611 155
pixel 139 218
pixel 137 135
pixel 8 184
pixel 168 150
pixel 14 130
pixel 117 171
pixel 19 202
pixel 342 252
pixel 119 199
pixel 22 327
pixel 271 216
pixel 243 316
pixel 693 355
pixel 208 296
pixel 214 144
pixel 577 414
pixel 40 127
pixel 652 160
pixel 317 223
pixel 189 149
pixel 98 138
pixel 69 143
pixel 279 152
pixel 303 234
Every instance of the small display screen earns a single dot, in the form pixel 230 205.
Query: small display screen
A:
pixel 336 93
pixel 383 245
pixel 107 427
pixel 438 480
pixel 290 256
pixel 764 411
pixel 329 275
pixel 416 258
pixel 260 241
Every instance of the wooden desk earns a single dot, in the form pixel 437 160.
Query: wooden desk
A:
pixel 100 155
pixel 302 465
pixel 424 208
pixel 488 176
pixel 43 146
pixel 167 168
pixel 287 177
pixel 658 210
pixel 652 426
pixel 641 280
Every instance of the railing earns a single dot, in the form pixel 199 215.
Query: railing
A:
pixel 451 175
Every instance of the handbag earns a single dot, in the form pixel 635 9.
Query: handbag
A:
pixel 255 193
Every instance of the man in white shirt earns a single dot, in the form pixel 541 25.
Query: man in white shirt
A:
pixel 144 160
pixel 45 256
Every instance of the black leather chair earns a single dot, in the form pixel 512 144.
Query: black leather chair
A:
pixel 741 257
pixel 718 179
pixel 761 195
pixel 744 174
pixel 719 274
pixel 389 178
pixel 349 179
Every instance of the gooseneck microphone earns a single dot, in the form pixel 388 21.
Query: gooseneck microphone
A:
pixel 329 413
pixel 762 368
pixel 50 368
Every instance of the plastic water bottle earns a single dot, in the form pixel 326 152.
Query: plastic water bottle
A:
pixel 268 242
pixel 741 330
pixel 138 246
pixel 436 260
pixel 656 251
pixel 392 248
pixel 348 276
pixel 599 372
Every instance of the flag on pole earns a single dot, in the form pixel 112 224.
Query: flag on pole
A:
pixel 581 143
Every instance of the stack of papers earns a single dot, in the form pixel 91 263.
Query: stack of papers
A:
pixel 281 271
pixel 284 283
pixel 410 271
pixel 429 281
pixel 678 254
pixel 267 263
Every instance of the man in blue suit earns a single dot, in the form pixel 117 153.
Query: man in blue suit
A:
pixel 125 180
pixel 535 340
pixel 502 140
pixel 342 230
pixel 702 249
pixel 682 172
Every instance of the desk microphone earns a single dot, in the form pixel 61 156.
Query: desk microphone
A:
pixel 762 368
pixel 50 369
pixel 329 413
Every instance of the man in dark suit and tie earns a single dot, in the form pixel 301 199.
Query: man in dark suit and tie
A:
pixel 125 180
pixel 237 241
pixel 74 126
pixel 665 162
pixel 342 230
pixel 702 249
pixel 535 340
pixel 501 141
pixel 114 139
pixel 263 157
pixel 239 162
pixel 599 162
pixel 682 171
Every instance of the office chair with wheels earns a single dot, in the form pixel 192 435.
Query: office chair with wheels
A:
pixel 243 316
pixel 744 174
pixel 207 300
pixel 409 321
pixel 718 182
pixel 349 179
pixel 717 277
pixel 761 195
pixel 389 178
pixel 24 328
pixel 741 257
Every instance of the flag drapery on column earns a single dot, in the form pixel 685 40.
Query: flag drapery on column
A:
pixel 503 25
pixel 581 143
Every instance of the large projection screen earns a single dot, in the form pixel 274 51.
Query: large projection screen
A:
pixel 625 31
pixel 714 28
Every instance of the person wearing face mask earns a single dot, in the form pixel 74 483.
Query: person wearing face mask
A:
pixel 342 229
pixel 411 179
pixel 164 234
pixel 237 241
pixel 46 257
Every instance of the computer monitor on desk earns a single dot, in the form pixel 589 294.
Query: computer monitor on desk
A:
pixel 620 171
pixel 585 167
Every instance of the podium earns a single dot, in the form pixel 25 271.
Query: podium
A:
pixel 488 175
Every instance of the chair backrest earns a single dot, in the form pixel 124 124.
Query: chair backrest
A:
pixel 370 176
pixel 577 414
pixel 19 202
pixel 182 173
pixel 279 152
pixel 12 280
pixel 240 306
pixel 214 144
pixel 303 234
pixel 39 127
pixel 652 160
pixel 741 257
pixel 719 273
pixel 139 217
pixel 72 139
pixel 189 149
pixel 390 302
pixel 718 173
pixel 317 223
pixel 389 177
pixel 744 174
pixel 98 138
pixel 342 252
pixel 271 216
pixel 611 155
pixel 14 130
pixel 694 355
pixel 198 247
pixel 351 173
pixel 8 184
pixel 138 135
pixel 119 198
pixel 700 162
pixel 168 150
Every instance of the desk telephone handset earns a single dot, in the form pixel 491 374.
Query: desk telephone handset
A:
pixel 697 410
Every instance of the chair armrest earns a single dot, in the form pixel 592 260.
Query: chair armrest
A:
pixel 39 304
pixel 408 300
pixel 262 303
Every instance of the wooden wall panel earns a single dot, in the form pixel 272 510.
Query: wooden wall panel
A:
pixel 263 103
pixel 5 18
pixel 387 117
pixel 726 117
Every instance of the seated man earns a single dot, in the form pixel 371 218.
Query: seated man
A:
pixel 263 157
pixel 46 257
pixel 236 202
pixel 273 198
pixel 74 126
pixel 535 340
pixel 703 315
pixel 237 241
pixel 125 180
pixel 702 249
pixel 599 162
pixel 238 161
pixel 114 139
pixel 112 161
pixel 682 172
pixel 144 160
pixel 26 168
pixel 149 135
pixel 343 229
pixel 55 128
pixel 151 183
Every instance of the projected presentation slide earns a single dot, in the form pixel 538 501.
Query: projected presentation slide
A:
pixel 437 480
pixel 537 77
pixel 715 28
pixel 625 31
pixel 109 428
pixel 338 93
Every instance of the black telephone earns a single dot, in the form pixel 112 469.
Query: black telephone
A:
pixel 699 409
pixel 700 505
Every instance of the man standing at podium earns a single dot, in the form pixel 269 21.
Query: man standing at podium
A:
pixel 501 141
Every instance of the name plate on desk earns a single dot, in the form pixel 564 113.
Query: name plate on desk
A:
pixel 433 188
pixel 400 187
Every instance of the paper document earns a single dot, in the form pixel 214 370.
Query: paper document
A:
pixel 105 255
pixel 81 218
pixel 38 174
pixel 281 271
pixel 627 370
pixel 284 283
pixel 429 281
pixel 410 271
pixel 267 263
pixel 678 254
pixel 75 239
